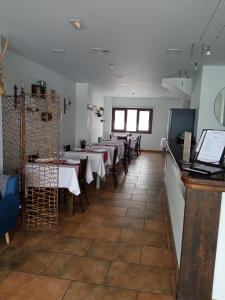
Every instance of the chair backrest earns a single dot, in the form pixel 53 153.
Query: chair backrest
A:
pixel 82 170
pixel 139 140
pixel 122 138
pixel 115 156
pixel 67 148
pixel 83 144
pixel 12 186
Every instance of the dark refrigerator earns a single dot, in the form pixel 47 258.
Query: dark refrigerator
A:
pixel 180 120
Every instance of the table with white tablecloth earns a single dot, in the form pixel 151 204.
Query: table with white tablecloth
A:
pixel 95 159
pixel 108 148
pixel 53 176
pixel 118 144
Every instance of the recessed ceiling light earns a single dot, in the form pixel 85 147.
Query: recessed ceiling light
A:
pixel 100 51
pixel 77 24
pixel 59 51
pixel 111 66
pixel 195 66
pixel 125 84
pixel 173 51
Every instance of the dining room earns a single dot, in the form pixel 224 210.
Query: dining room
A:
pixel 92 198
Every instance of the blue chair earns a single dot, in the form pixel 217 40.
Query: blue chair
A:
pixel 9 207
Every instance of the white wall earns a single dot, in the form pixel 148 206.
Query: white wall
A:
pixel 97 125
pixel 195 97
pixel 19 69
pixel 88 125
pixel 161 109
pixel 213 80
pixel 82 99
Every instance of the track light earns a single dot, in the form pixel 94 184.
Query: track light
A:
pixel 195 66
pixel 208 51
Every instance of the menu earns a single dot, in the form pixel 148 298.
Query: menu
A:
pixel 211 146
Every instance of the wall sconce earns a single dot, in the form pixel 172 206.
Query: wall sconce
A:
pixel 67 104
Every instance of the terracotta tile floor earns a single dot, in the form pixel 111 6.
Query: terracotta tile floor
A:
pixel 118 249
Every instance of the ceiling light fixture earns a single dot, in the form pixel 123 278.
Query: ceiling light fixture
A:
pixel 100 51
pixel 208 51
pixel 125 84
pixel 111 66
pixel 77 24
pixel 58 51
pixel 195 66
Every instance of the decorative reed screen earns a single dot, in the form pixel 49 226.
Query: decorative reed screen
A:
pixel 41 139
pixel 30 146
pixel 10 135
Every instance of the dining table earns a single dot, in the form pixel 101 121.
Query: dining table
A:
pixel 110 149
pixel 56 174
pixel 114 143
pixel 53 176
pixel 95 159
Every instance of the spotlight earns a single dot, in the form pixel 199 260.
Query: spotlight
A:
pixel 208 51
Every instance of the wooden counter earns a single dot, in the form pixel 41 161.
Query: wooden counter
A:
pixel 200 231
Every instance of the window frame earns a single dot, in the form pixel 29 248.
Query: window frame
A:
pixel 125 109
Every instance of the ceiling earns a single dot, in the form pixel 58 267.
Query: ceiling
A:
pixel 137 32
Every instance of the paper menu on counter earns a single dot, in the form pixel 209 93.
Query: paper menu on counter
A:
pixel 212 146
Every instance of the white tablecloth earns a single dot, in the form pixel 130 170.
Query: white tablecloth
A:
pixel 119 144
pixel 108 148
pixel 109 157
pixel 47 176
pixel 95 160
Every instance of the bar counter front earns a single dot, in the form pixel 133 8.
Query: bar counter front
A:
pixel 197 214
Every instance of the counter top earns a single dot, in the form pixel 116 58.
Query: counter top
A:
pixel 194 180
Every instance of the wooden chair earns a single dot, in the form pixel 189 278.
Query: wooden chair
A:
pixel 138 146
pixel 112 170
pixel 122 138
pixel 125 160
pixel 83 144
pixel 82 183
pixel 67 148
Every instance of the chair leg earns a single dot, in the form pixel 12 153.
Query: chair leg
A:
pixel 86 198
pixel 115 181
pixel 7 239
pixel 81 204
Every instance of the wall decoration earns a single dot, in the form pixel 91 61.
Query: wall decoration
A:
pixel 98 110
pixel 66 104
pixel 2 75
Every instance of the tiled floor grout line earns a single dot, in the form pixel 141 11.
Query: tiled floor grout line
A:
pixel 71 282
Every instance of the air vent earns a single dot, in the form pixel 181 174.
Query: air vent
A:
pixel 59 51
pixel 100 51
pixel 174 51
pixel 118 76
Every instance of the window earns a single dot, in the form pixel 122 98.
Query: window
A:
pixel 132 120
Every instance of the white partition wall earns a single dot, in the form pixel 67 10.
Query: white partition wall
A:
pixel 176 199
